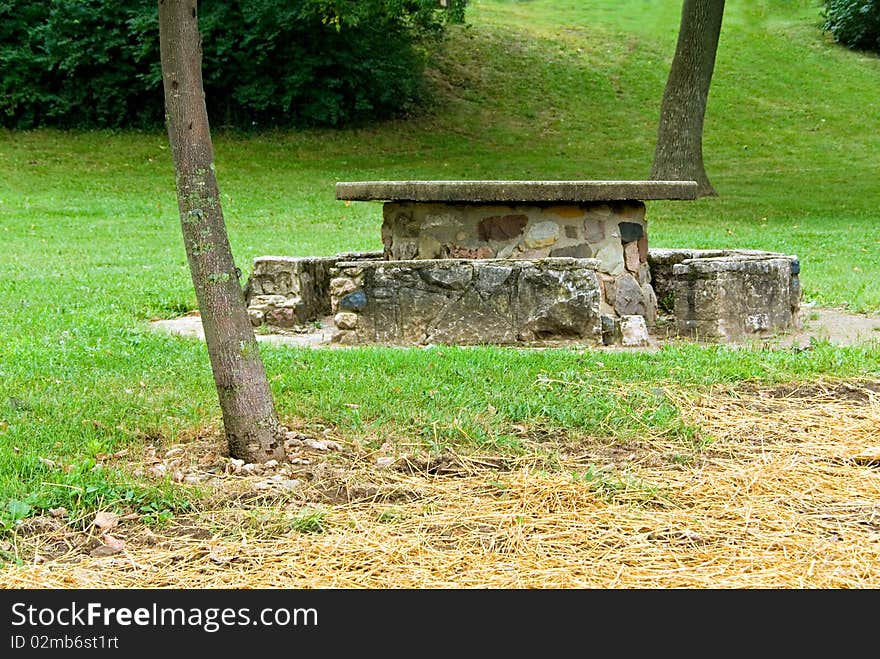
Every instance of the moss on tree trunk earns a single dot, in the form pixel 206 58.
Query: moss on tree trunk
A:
pixel 249 416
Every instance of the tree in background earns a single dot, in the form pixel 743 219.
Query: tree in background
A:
pixel 854 23
pixel 679 151
pixel 249 418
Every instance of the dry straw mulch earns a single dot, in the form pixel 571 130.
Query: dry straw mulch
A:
pixel 785 495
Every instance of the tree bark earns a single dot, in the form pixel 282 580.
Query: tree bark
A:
pixel 249 416
pixel 679 151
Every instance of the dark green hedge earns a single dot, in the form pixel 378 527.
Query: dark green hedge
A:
pixel 854 23
pixel 95 63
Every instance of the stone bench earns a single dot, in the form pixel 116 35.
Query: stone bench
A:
pixel 467 301
pixel 602 220
pixel 728 295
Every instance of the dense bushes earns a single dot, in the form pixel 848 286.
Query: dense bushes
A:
pixel 854 23
pixel 84 63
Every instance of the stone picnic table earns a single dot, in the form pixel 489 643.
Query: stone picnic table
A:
pixel 596 224
pixel 515 219
pixel 603 220
pixel 524 262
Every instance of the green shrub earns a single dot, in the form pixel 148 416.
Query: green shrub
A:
pixel 854 23
pixel 95 63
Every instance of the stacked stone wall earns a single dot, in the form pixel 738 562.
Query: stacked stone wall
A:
pixel 613 233
pixel 467 301
pixel 286 291
pixel 713 295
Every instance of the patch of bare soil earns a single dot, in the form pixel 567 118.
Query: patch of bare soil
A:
pixel 861 392
pixel 784 492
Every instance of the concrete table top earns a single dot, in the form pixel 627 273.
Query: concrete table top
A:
pixel 514 191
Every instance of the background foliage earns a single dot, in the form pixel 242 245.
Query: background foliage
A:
pixel 95 63
pixel 854 23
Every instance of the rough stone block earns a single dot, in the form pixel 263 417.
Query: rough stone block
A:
pixel 610 325
pixel 579 251
pixel 557 303
pixel 630 231
pixel 460 252
pixel 445 275
pixel 354 301
pixel 502 227
pixel 465 301
pixel 629 298
pixel 430 248
pixel 286 317
pixel 610 255
pixel 661 262
pixel 594 232
pixel 345 320
pixel 292 291
pixel 631 257
pixel 339 286
pixel 491 278
pixel 541 234
pixel 731 297
pixel 461 316
pixel 533 254
pixel 650 304
pixel 634 331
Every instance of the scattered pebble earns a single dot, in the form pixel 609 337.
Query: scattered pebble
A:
pixel 251 469
pixel 323 445
pixel 104 520
pixel 110 547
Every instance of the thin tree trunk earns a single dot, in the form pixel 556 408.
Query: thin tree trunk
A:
pixel 249 416
pixel 679 152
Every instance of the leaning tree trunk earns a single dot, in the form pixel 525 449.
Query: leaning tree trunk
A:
pixel 679 151
pixel 249 416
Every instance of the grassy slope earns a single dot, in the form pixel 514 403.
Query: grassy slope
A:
pixel 539 89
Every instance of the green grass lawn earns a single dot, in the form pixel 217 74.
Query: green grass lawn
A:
pixel 528 90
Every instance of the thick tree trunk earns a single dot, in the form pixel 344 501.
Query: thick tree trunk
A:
pixel 679 151
pixel 249 417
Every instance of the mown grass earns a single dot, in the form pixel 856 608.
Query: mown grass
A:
pixel 544 90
